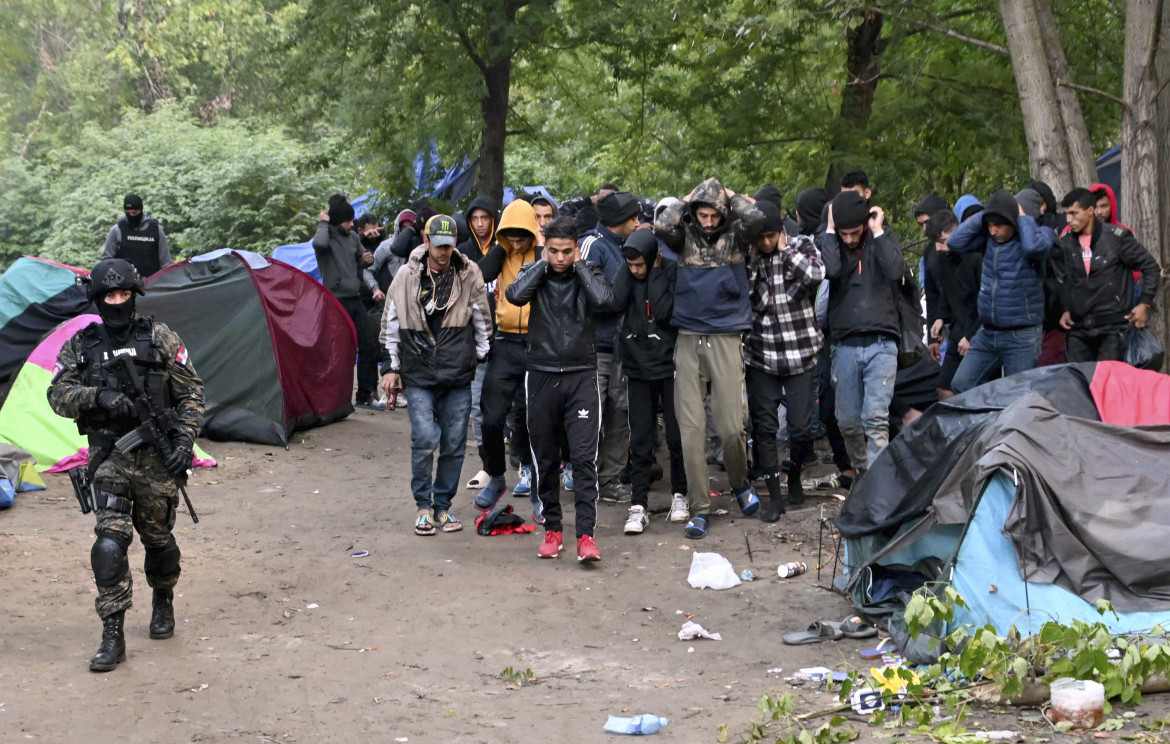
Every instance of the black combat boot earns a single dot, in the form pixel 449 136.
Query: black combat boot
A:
pixel 113 649
pixel 162 617
pixel 800 453
pixel 775 499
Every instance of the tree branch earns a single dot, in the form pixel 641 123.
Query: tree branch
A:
pixel 465 40
pixel 956 35
pixel 1098 91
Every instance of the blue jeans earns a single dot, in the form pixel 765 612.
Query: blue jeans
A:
pixel 864 368
pixel 438 419
pixel 1015 351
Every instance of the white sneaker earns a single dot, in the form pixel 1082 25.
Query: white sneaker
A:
pixel 679 511
pixel 637 520
pixel 479 481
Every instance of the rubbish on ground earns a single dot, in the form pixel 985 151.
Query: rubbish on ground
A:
pixel 646 723
pixel 1078 701
pixel 774 670
pixel 711 570
pixel 359 554
pixel 866 700
pixel 1000 735
pixel 814 674
pixel 818 631
pixel 747 575
pixel 788 570
pixel 691 630
pixel 312 606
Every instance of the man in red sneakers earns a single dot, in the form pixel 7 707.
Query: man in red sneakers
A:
pixel 560 381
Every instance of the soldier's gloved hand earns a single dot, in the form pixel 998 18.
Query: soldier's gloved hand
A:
pixel 180 458
pixel 116 403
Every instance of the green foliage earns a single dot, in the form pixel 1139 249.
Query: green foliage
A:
pixel 519 679
pixel 210 187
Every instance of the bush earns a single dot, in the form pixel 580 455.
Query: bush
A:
pixel 226 185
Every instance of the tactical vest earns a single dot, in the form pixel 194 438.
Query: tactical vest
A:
pixel 94 373
pixel 140 247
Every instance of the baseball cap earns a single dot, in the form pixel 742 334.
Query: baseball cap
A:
pixel 442 230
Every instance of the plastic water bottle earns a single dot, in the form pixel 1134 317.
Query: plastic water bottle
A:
pixel 788 570
pixel 647 723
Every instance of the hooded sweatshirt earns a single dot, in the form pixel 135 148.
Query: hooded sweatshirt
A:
pixel 809 205
pixel 502 263
pixel 1112 203
pixel 1011 292
pixel 711 294
pixel 965 202
pixel 645 336
pixel 474 248
pixel 1051 217
pixel 931 204
pixel 339 259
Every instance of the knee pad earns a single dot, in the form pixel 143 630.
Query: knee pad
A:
pixel 163 561
pixel 108 558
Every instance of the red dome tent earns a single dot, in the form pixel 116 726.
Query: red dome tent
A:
pixel 274 348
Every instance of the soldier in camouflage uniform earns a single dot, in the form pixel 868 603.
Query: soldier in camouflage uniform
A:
pixel 134 491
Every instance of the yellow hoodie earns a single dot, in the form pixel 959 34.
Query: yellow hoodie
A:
pixel 519 214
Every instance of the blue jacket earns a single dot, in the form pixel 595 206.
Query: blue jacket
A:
pixel 602 247
pixel 1011 291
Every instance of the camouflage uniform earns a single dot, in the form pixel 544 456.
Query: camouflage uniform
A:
pixel 139 476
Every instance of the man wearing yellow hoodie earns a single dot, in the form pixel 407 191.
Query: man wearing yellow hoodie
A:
pixel 515 246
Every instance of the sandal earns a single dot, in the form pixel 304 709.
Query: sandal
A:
pixel 425 524
pixel 696 528
pixel 818 631
pixel 854 627
pixel 448 523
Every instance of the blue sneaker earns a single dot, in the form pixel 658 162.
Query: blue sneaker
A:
pixel 749 502
pixel 487 498
pixel 567 476
pixel 524 487
pixel 537 509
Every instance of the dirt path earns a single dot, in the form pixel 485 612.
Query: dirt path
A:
pixel 282 636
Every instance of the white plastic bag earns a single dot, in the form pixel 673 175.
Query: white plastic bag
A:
pixel 711 570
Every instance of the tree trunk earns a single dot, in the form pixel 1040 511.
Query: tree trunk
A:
pixel 489 181
pixel 1048 153
pixel 1082 161
pixel 862 70
pixel 1145 125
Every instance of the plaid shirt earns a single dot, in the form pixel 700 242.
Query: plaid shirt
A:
pixel 785 337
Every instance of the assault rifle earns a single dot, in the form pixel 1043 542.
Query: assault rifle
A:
pixel 153 425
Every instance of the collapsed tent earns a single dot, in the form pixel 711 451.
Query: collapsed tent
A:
pixel 1033 496
pixel 274 348
pixel 35 296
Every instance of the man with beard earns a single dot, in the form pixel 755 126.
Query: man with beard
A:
pixel 139 239
pixel 135 491
pixel 711 230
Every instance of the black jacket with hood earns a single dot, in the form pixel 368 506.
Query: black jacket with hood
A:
pixel 645 336
pixel 473 247
pixel 1104 295
pixel 863 284
pixel 560 324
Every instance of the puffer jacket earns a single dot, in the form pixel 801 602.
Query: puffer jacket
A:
pixel 560 319
pixel 423 359
pixel 603 248
pixel 1011 290
pixel 711 294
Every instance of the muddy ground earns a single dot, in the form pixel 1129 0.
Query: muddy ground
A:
pixel 282 636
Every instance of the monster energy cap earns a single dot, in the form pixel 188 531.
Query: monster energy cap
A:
pixel 442 230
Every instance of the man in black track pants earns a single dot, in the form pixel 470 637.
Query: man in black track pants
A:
pixel 560 383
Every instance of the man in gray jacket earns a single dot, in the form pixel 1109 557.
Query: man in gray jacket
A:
pixel 139 239
pixel 341 259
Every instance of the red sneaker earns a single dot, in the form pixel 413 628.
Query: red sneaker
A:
pixel 551 546
pixel 586 550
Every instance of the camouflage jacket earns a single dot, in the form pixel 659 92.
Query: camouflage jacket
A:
pixel 70 397
pixel 679 229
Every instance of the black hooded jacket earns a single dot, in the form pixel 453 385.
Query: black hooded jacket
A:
pixel 959 278
pixel 809 205
pixel 560 326
pixel 645 336
pixel 469 247
pixel 1050 218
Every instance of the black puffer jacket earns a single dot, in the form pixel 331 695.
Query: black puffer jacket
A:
pixel 645 336
pixel 560 326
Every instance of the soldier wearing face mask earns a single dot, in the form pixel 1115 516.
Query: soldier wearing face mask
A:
pixel 139 239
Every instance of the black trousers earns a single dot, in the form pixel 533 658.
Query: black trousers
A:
pixel 367 339
pixel 647 397
pixel 765 391
pixel 565 402
pixel 827 410
pixel 503 386
pixel 1096 345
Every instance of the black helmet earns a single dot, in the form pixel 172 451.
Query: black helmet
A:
pixel 111 274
